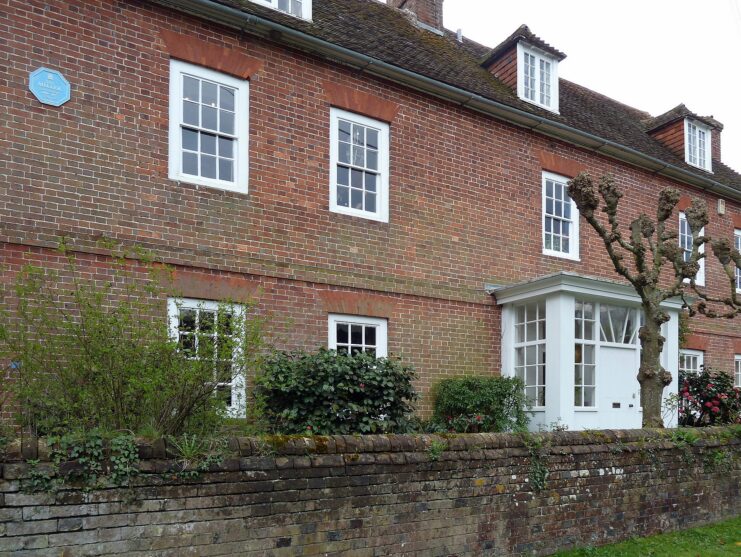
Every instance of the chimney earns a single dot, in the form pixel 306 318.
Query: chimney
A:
pixel 427 12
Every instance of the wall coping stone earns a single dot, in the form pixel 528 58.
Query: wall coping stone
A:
pixel 288 451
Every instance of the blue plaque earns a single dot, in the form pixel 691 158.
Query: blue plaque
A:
pixel 49 86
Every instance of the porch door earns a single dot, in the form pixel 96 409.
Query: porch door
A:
pixel 618 391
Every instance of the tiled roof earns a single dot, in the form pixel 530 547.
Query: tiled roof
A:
pixel 376 30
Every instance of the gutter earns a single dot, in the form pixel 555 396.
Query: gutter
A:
pixel 256 25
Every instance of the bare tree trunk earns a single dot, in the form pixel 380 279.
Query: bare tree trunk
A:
pixel 651 375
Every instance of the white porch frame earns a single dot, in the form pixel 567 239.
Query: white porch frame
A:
pixel 560 292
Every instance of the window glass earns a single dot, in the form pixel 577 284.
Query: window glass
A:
pixel 585 384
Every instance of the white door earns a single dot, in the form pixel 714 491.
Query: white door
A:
pixel 618 390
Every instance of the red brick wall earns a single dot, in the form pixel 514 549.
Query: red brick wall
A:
pixel 465 190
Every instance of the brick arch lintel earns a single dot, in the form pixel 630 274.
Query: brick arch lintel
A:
pixel 359 102
pixel 202 53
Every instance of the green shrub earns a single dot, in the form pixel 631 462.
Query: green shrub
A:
pixel 708 398
pixel 89 354
pixel 476 404
pixel 331 393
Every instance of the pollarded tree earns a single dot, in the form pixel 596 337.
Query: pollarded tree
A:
pixel 660 270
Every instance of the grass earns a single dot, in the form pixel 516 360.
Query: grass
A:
pixel 716 540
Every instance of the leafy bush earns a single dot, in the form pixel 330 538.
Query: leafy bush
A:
pixel 708 398
pixel 475 404
pixel 87 354
pixel 332 393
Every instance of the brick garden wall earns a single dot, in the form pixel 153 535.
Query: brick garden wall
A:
pixel 386 495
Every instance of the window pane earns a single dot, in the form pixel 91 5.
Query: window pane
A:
pixel 190 88
pixel 356 178
pixel 343 196
pixel 226 170
pixel 190 140
pixel 356 334
pixel 190 163
pixel 227 98
pixel 588 396
pixel 342 333
pixel 344 153
pixel 372 160
pixel 344 131
pixel 358 158
pixel 356 199
pixel 208 93
pixel 370 202
pixel 208 166
pixel 370 181
pixel 208 143
pixel 190 113
pixel 370 336
pixel 226 122
pixel 208 117
pixel 343 175
pixel 371 137
pixel 226 148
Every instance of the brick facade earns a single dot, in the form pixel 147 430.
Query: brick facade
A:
pixel 465 189
pixel 385 495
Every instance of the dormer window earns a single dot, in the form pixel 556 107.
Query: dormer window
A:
pixel 538 77
pixel 697 146
pixel 297 8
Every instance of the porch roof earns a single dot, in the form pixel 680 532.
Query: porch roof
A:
pixel 565 281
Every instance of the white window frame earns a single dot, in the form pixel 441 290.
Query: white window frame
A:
pixel 700 277
pixel 539 55
pixel 306 8
pixel 379 323
pixel 573 252
pixel 737 243
pixel 699 354
pixel 178 69
pixel 692 129
pixel 382 199
pixel 238 408
pixel 737 371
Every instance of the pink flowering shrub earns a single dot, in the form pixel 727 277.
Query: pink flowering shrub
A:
pixel 708 398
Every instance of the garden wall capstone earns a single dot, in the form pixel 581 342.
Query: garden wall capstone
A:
pixel 475 494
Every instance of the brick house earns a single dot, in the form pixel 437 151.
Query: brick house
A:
pixel 375 181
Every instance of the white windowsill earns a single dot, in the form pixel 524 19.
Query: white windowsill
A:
pixel 561 255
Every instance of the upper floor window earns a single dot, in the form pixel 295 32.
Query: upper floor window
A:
pixel 691 361
pixel 737 239
pixel 685 242
pixel 560 218
pixel 359 165
pixel 298 8
pixel 208 127
pixel 697 147
pixel 538 81
pixel 208 331
pixel 352 334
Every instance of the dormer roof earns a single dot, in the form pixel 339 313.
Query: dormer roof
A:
pixel 522 33
pixel 680 112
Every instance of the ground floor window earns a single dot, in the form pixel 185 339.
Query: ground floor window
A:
pixel 206 330
pixel 737 374
pixel 691 362
pixel 353 334
pixel 585 382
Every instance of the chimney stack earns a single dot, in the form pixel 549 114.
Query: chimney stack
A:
pixel 428 12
